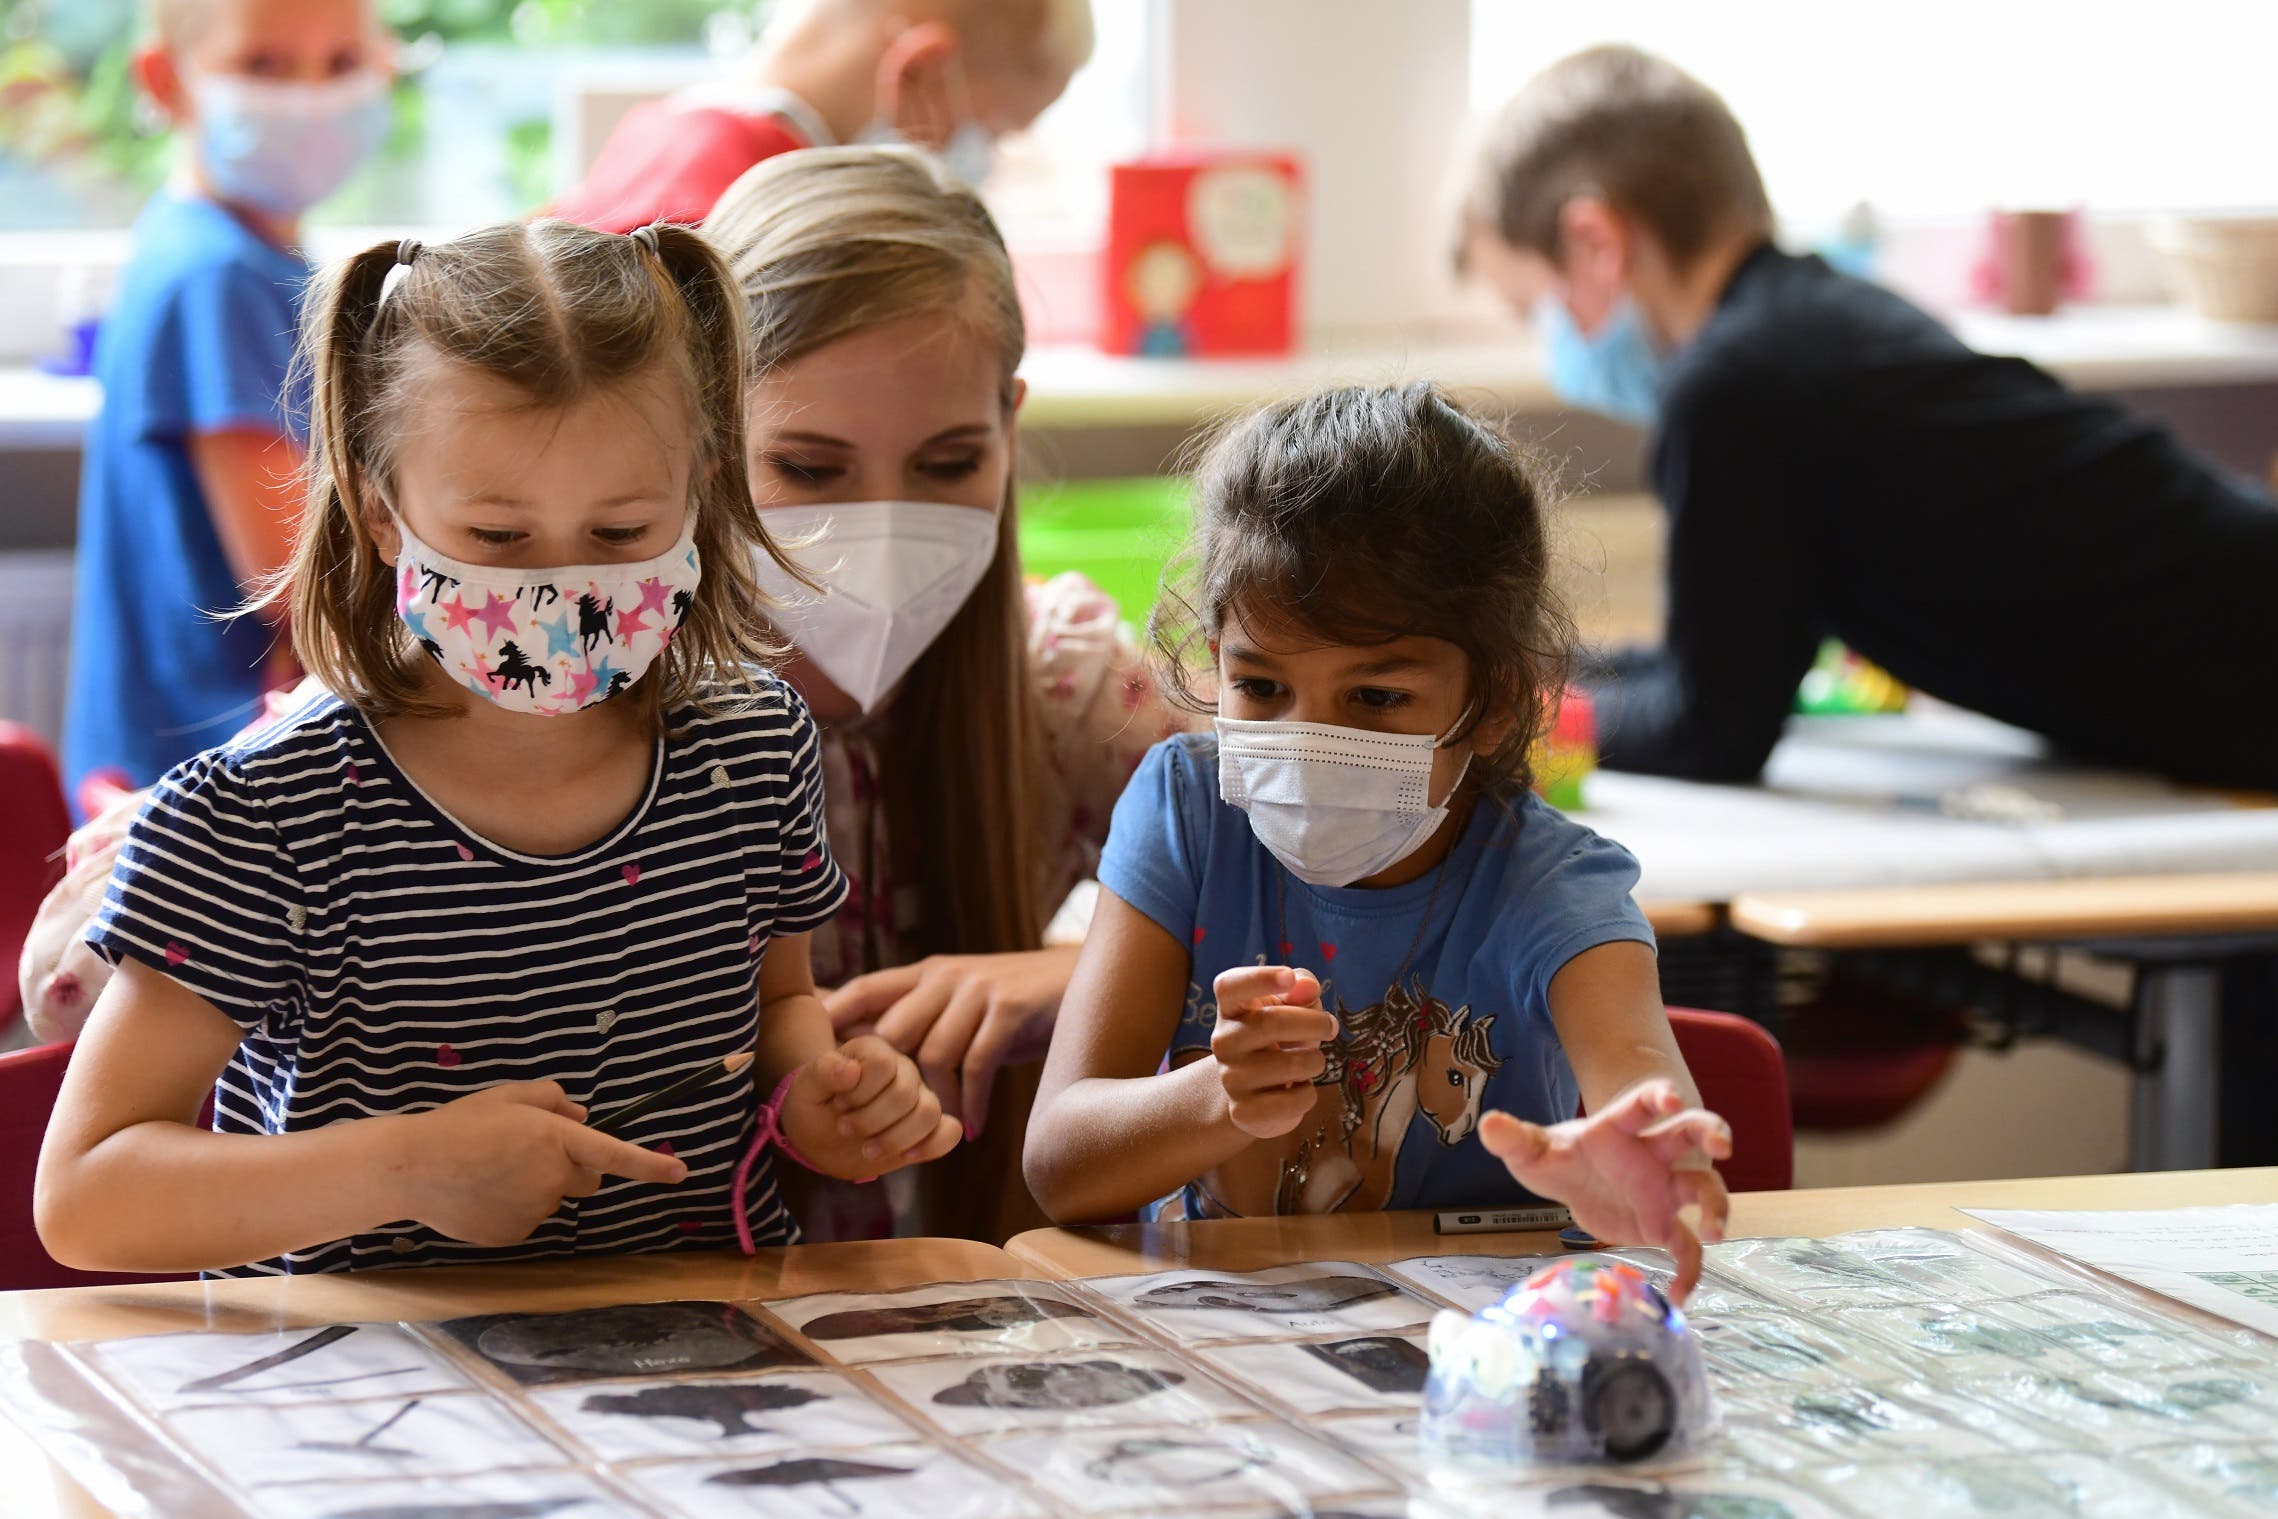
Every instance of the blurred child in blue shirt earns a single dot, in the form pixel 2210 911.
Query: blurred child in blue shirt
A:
pixel 191 491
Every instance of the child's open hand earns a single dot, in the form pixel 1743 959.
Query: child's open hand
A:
pixel 863 1109
pixel 1268 1045
pixel 1628 1172
pixel 491 1167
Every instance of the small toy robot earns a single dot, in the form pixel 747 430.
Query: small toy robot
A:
pixel 1584 1361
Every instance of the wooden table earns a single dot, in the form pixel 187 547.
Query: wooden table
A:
pixel 31 1487
pixel 1249 1244
pixel 2178 1016
pixel 1680 920
pixel 1844 846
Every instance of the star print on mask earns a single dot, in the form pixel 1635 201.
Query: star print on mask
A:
pixel 545 641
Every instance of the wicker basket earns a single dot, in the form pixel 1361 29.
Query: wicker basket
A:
pixel 2224 267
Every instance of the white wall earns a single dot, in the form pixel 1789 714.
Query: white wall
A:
pixel 1373 95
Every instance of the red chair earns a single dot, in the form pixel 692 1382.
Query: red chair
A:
pixel 29 1081
pixel 34 824
pixel 1741 1075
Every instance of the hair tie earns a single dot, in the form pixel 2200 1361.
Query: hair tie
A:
pixel 405 252
pixel 647 238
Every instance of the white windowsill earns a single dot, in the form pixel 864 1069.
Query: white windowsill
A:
pixel 2092 347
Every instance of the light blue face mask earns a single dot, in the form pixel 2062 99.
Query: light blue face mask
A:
pixel 969 154
pixel 1615 372
pixel 282 147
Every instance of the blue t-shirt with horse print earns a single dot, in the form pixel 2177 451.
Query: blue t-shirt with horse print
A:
pixel 1441 986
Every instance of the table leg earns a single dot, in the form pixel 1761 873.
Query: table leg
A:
pixel 2178 1035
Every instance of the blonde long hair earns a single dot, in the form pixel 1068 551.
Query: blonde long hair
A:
pixel 829 242
pixel 558 312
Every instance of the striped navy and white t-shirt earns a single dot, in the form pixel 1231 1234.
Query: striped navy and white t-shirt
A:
pixel 382 958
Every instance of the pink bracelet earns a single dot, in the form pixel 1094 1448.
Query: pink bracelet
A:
pixel 769 1132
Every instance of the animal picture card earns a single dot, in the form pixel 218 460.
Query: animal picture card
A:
pixel 169 1371
pixel 1733 1494
pixel 1331 1376
pixel 624 1340
pixel 1819 1272
pixel 1316 1298
pixel 1742 1349
pixel 720 1416
pixel 2108 1411
pixel 948 1318
pixel 887 1481
pixel 1958 1343
pixel 2068 1483
pixel 2062 1332
pixel 1786 1429
pixel 489 1495
pixel 1945 1267
pixel 438 1436
pixel 1105 1471
pixel 2096 1330
pixel 1471 1282
pixel 2243 1476
pixel 969 1396
pixel 1389 1439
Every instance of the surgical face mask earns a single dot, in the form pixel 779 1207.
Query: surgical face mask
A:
pixel 893 574
pixel 970 153
pixel 1334 805
pixel 546 641
pixel 282 147
pixel 1615 371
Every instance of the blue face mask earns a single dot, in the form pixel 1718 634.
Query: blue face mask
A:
pixel 969 154
pixel 1615 372
pixel 281 147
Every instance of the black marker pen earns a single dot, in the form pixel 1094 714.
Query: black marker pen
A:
pixel 1501 1220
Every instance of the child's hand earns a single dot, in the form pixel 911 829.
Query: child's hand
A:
pixel 492 1167
pixel 863 1110
pixel 1268 1045
pixel 1628 1172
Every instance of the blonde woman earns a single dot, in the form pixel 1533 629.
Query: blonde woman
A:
pixel 976 731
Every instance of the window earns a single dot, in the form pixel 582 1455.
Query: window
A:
pixel 1945 108
pixel 474 106
pixel 483 87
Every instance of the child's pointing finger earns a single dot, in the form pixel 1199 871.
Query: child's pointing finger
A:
pixel 611 1156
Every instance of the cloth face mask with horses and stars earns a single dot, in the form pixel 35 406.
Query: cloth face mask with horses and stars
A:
pixel 548 641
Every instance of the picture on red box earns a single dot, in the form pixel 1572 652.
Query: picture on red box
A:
pixel 1202 256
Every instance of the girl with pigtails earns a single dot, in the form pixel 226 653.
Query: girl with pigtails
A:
pixel 550 841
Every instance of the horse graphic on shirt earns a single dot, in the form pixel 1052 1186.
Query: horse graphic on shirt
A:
pixel 1409 1054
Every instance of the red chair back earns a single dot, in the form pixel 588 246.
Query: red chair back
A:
pixel 1738 1067
pixel 29 1081
pixel 34 824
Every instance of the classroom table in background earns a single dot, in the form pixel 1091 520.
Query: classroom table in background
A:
pixel 31 1487
pixel 1680 920
pixel 2177 1035
pixel 1847 843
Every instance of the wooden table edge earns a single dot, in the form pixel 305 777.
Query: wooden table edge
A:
pixel 2082 908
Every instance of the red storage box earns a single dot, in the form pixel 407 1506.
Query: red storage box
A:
pixel 1203 251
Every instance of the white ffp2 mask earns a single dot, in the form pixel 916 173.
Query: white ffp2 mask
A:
pixel 893 574
pixel 1334 805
